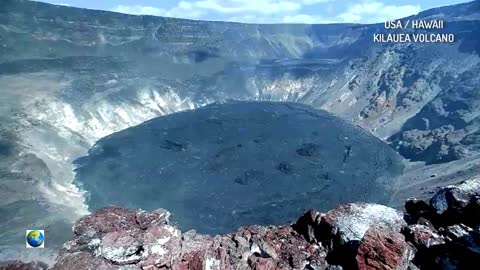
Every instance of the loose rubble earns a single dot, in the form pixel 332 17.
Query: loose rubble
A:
pixel 443 233
pixel 18 265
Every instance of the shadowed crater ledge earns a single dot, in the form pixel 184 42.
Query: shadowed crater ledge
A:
pixel 239 163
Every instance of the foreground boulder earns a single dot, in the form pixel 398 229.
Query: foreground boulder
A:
pixel 384 249
pixel 118 238
pixel 446 229
pixel 352 236
pixel 458 203
pixel 340 230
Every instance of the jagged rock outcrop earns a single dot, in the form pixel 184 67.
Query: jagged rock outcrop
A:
pixel 81 75
pixel 432 146
pixel 353 236
pixel 446 230
pixel 116 238
pixel 340 230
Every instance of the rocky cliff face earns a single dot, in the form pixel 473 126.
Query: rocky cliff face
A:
pixel 440 234
pixel 69 77
pixel 106 71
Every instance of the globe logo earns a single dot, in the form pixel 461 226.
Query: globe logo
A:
pixel 35 239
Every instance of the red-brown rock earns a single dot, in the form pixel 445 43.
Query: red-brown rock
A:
pixel 423 236
pixel 104 220
pixel 351 236
pixel 383 250
pixel 347 223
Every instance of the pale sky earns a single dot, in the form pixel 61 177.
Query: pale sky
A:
pixel 267 11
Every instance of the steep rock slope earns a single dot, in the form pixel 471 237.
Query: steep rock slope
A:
pixel 69 77
pixel 225 165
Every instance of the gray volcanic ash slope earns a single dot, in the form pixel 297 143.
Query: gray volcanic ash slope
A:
pixel 70 76
pixel 228 165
